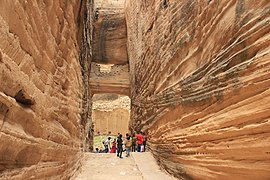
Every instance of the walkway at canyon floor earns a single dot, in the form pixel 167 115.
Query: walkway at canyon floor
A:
pixel 109 167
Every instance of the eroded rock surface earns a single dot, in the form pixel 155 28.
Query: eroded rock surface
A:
pixel 200 78
pixel 109 49
pixel 110 33
pixel 40 89
pixel 111 113
pixel 111 79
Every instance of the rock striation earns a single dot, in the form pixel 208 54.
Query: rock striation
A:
pixel 41 88
pixel 200 85
pixel 110 113
pixel 199 76
pixel 112 79
pixel 109 33
pixel 109 67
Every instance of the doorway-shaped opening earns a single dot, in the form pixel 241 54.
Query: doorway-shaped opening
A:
pixel 110 116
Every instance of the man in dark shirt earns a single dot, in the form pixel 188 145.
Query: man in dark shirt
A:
pixel 119 146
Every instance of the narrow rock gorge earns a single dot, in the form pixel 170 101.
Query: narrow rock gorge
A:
pixel 200 85
pixel 197 73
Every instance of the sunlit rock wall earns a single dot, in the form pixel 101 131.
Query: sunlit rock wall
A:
pixel 110 114
pixel 112 79
pixel 40 89
pixel 201 85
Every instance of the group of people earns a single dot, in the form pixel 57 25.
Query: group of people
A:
pixel 131 143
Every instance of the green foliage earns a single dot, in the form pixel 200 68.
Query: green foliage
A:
pixel 99 139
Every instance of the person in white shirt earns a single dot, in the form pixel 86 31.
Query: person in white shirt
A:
pixel 107 144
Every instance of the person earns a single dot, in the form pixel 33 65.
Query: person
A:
pixel 127 146
pixel 113 149
pixel 139 138
pixel 127 135
pixel 101 150
pixel 133 145
pixel 119 146
pixel 144 141
pixel 97 150
pixel 107 144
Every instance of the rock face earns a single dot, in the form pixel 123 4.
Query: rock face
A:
pixel 85 24
pixel 110 33
pixel 200 78
pixel 111 79
pixel 109 49
pixel 110 113
pixel 40 89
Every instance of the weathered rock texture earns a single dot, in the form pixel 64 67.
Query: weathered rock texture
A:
pixel 112 79
pixel 111 113
pixel 109 49
pixel 201 85
pixel 110 33
pixel 41 88
pixel 85 24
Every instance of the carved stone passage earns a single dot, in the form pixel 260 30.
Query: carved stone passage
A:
pixel 200 78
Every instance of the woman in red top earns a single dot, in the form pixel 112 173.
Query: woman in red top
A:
pixel 113 149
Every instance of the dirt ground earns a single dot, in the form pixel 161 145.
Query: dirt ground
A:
pixel 101 166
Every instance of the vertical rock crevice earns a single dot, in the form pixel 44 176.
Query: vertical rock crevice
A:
pixel 85 39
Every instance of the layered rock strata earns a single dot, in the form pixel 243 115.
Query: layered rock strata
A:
pixel 110 114
pixel 113 79
pixel 109 47
pixel 200 78
pixel 41 88
pixel 110 33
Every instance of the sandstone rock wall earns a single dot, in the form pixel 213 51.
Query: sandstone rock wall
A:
pixel 111 113
pixel 40 89
pixel 201 85
pixel 112 80
pixel 85 25
pixel 110 33
pixel 115 121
